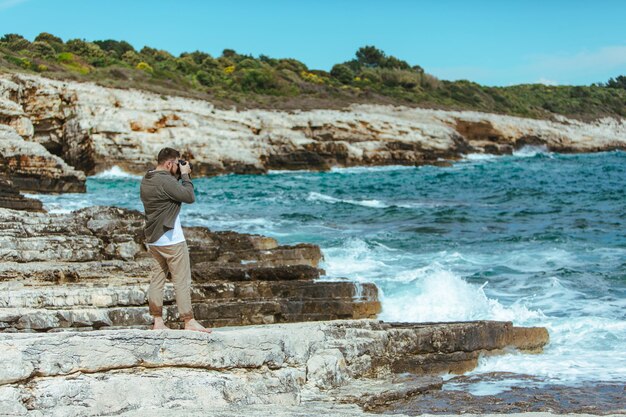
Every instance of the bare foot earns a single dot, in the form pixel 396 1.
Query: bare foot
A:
pixel 159 324
pixel 194 325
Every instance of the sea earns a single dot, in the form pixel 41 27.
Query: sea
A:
pixel 536 238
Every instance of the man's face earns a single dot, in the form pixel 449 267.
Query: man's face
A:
pixel 172 166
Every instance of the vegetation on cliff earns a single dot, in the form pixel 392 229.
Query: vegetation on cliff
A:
pixel 245 81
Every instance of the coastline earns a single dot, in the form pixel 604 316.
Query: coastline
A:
pixel 95 128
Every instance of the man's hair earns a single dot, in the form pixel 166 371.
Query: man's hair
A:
pixel 166 154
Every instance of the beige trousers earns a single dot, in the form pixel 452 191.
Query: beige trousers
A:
pixel 172 260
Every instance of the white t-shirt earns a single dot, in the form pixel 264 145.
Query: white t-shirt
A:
pixel 171 237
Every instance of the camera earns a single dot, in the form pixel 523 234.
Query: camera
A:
pixel 183 162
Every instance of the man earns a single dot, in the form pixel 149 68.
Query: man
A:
pixel 162 196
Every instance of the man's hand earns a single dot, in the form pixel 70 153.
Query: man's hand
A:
pixel 184 169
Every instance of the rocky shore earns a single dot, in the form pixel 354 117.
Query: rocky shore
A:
pixel 73 314
pixel 52 133
pixel 288 339
pixel 88 270
pixel 356 362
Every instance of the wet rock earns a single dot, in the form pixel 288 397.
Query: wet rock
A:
pixel 535 397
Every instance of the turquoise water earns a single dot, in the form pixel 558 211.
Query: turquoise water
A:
pixel 536 238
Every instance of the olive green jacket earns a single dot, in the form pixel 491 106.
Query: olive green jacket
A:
pixel 162 196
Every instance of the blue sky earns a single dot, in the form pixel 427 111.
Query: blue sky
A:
pixel 491 42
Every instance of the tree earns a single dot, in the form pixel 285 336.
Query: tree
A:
pixel 370 56
pixel 11 37
pixel 395 63
pixel 42 49
pixel 617 82
pixel 119 48
pixel 85 49
pixel 48 37
pixel 15 42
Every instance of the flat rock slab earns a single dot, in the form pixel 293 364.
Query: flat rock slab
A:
pixel 93 373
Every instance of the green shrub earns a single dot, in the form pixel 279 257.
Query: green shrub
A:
pixel 257 80
pixel 54 41
pixel 11 37
pixel 118 48
pixel 342 73
pixel 206 79
pixel 291 65
pixel 197 56
pixel 186 65
pixel 158 55
pixel 42 49
pixel 210 64
pixel 248 63
pixel 395 63
pixel 399 78
pixel 85 49
pixel 65 57
pixel 48 38
pixel 131 58
pixel 72 62
pixel 370 75
pixel 14 42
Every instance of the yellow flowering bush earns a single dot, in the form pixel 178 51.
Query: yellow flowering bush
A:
pixel 144 66
pixel 309 76
pixel 229 69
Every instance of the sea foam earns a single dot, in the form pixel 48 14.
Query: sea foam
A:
pixel 116 172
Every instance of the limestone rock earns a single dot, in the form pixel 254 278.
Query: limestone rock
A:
pixel 94 128
pixel 11 198
pixel 32 168
pixel 89 270
pixel 95 373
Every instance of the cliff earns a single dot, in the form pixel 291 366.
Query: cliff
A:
pixel 93 128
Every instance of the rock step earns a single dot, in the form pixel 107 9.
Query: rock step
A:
pixel 11 198
pixel 72 295
pixel 213 314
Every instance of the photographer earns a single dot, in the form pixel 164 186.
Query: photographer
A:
pixel 162 195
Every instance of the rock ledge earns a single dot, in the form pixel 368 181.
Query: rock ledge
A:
pixel 112 372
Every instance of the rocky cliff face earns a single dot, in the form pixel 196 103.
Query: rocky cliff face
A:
pixel 93 128
pixel 28 164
